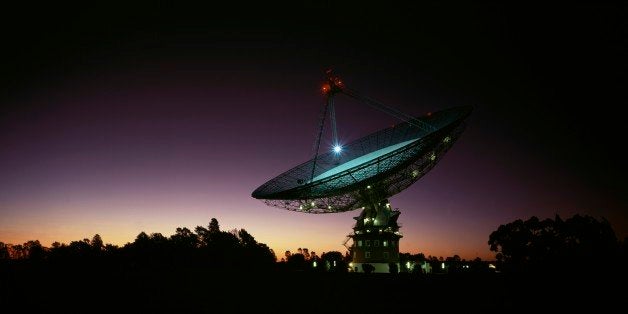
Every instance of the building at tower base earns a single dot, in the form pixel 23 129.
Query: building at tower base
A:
pixel 376 240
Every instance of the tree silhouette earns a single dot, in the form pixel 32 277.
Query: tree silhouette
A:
pixel 34 250
pixel 80 248
pixel 334 261
pixel 536 244
pixel 246 238
pixel 265 255
pixel 210 234
pixel 296 261
pixel 111 249
pixel 4 251
pixel 142 239
pixel 203 235
pixel 214 227
pixel 18 252
pixel 158 239
pixel 287 255
pixel 184 238
pixel 208 247
pixel 97 243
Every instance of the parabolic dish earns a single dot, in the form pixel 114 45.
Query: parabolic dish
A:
pixel 380 164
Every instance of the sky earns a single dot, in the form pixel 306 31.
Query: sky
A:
pixel 117 120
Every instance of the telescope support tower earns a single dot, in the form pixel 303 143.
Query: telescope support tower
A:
pixel 376 238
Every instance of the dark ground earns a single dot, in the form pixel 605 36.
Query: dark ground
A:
pixel 97 289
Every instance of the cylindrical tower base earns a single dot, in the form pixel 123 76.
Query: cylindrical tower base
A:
pixel 376 240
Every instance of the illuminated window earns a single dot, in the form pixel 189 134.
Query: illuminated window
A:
pixel 367 254
pixel 368 242
pixel 385 255
pixel 385 243
pixel 376 243
pixel 359 242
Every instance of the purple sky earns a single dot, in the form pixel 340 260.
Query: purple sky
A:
pixel 156 119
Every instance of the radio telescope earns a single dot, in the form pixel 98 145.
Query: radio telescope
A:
pixel 365 173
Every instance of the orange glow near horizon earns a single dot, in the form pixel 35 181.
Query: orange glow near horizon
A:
pixel 283 231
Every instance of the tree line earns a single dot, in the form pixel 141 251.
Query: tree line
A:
pixel 205 246
pixel 577 244
pixel 303 260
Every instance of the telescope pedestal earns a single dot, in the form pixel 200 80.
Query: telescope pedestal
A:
pixel 376 239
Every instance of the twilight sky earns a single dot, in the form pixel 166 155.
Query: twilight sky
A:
pixel 121 120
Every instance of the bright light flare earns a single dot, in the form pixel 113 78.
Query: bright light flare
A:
pixel 337 149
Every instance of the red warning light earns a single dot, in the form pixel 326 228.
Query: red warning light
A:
pixel 325 88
